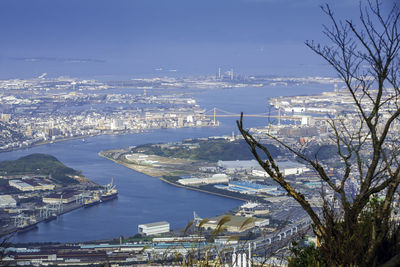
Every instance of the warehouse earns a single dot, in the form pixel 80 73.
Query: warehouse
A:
pixel 249 188
pixel 235 224
pixel 219 178
pixel 7 201
pixel 65 197
pixel 154 228
pixel 31 185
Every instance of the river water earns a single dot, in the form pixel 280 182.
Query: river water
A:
pixel 143 199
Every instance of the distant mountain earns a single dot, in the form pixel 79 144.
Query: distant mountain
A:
pixel 41 164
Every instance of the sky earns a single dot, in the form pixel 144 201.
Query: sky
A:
pixel 112 39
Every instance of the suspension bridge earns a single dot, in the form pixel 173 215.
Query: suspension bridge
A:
pixel 217 112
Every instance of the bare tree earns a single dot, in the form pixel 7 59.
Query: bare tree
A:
pixel 365 55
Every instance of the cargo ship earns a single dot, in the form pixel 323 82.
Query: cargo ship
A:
pixel 25 227
pixel 110 192
pixel 92 201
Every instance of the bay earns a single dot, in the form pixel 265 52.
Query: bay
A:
pixel 143 199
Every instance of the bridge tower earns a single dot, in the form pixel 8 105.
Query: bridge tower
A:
pixel 279 116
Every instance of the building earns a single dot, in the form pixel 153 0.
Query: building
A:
pixel 117 124
pixel 260 173
pixel 20 185
pixel 7 201
pixel 249 188
pixel 218 178
pixel 190 181
pixel 236 224
pixel 154 228
pixel 238 165
pixel 286 167
pixel 31 185
pixel 292 168
pixel 65 197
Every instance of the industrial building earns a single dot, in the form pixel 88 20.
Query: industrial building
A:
pixel 236 224
pixel 154 228
pixel 252 166
pixel 218 178
pixel 30 185
pixel 7 201
pixel 250 188
pixel 233 166
pixel 190 181
pixel 64 197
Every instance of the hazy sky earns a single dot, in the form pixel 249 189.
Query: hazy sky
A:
pixel 133 38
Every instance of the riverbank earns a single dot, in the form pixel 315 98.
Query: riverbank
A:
pixel 141 199
pixel 64 139
pixel 163 167
pixel 65 209
pixel 151 165
pixel 122 132
pixel 200 190
pixel 141 169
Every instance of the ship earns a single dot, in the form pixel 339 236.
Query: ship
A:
pixel 92 201
pixel 25 226
pixel 110 192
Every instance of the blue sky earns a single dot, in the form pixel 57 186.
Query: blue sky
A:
pixel 132 38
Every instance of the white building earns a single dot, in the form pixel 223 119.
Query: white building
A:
pixel 20 185
pixel 190 181
pixel 219 178
pixel 117 124
pixel 7 201
pixel 286 167
pixel 30 185
pixel 154 228
pixel 64 198
pixel 260 173
pixel 292 168
pixel 261 222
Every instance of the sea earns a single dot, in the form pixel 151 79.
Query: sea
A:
pixel 143 199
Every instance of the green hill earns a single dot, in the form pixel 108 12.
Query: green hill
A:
pixel 209 150
pixel 42 164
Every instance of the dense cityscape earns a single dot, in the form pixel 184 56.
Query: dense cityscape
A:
pixel 44 110
pixel 30 198
pixel 234 133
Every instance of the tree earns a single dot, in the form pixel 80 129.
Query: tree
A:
pixel 356 229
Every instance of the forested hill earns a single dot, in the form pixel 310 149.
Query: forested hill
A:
pixel 209 150
pixel 42 164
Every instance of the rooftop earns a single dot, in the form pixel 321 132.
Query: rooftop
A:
pixel 154 224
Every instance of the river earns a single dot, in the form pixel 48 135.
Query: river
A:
pixel 143 199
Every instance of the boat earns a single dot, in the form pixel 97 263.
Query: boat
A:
pixel 110 192
pixel 92 201
pixel 109 195
pixel 25 227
